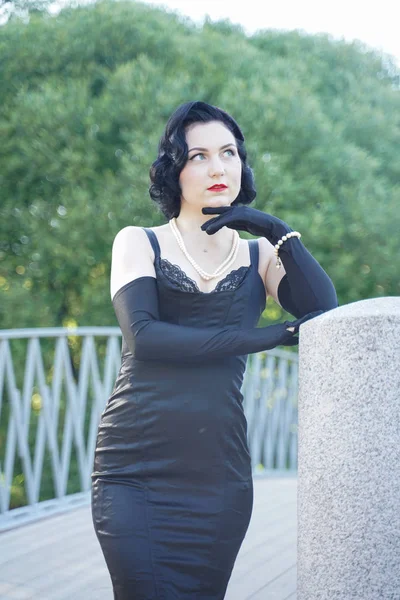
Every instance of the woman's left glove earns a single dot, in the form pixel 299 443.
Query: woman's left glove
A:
pixel 245 218
pixel 305 287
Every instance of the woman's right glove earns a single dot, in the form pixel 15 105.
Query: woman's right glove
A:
pixel 148 338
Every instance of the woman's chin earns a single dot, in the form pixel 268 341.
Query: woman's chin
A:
pixel 219 201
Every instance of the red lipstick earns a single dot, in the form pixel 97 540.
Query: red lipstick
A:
pixel 218 187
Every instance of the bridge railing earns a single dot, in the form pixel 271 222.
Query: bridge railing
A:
pixel 54 384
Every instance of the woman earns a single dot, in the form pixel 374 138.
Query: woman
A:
pixel 172 484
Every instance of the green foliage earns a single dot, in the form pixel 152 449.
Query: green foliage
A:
pixel 85 96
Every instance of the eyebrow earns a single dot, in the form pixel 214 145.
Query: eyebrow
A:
pixel 206 150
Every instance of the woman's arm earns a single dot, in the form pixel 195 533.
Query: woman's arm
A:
pixel 283 287
pixel 137 310
pixel 132 257
pixel 148 338
pixel 304 286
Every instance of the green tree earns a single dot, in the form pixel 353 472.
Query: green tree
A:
pixel 85 97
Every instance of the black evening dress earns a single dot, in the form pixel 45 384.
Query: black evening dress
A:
pixel 172 491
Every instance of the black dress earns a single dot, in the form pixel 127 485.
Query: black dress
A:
pixel 172 490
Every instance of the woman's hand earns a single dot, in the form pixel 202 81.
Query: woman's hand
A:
pixel 245 218
pixel 276 333
pixel 295 325
pixel 305 287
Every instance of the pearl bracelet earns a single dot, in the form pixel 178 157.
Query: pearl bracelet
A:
pixel 279 244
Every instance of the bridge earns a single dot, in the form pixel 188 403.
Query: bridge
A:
pixel 324 528
pixel 53 387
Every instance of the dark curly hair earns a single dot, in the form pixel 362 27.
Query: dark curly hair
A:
pixel 173 154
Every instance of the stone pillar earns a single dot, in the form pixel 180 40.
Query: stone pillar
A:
pixel 349 453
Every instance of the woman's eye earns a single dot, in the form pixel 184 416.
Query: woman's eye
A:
pixel 200 156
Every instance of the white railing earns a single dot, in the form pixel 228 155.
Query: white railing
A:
pixel 270 404
pixel 53 387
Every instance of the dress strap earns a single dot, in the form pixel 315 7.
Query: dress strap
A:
pixel 254 253
pixel 153 241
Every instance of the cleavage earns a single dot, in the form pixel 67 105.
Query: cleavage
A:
pixel 175 273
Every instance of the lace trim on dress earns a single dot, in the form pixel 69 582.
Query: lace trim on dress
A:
pixel 186 284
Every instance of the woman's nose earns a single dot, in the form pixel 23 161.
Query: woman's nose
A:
pixel 216 167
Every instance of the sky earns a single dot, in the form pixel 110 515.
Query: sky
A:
pixel 377 24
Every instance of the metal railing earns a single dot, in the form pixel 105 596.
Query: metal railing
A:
pixel 54 384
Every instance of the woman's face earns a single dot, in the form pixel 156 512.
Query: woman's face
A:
pixel 213 160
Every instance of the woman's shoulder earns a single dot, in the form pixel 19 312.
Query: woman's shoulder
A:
pixel 265 246
pixel 270 276
pixel 136 231
pixel 129 238
pixel 266 252
pixel 133 238
pixel 159 228
pixel 132 257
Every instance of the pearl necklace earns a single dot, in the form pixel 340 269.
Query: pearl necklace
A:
pixel 230 259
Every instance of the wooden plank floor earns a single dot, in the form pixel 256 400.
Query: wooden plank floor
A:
pixel 59 558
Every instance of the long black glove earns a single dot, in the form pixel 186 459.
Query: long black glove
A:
pixel 148 338
pixel 305 287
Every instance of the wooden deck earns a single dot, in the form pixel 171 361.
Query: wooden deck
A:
pixel 59 558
